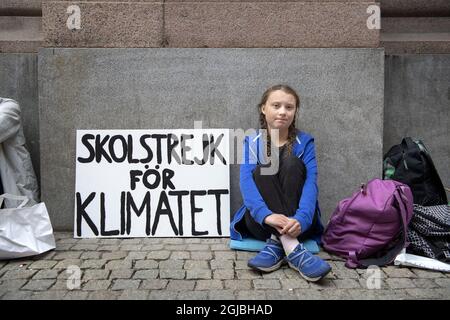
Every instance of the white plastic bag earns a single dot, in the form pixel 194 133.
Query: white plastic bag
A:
pixel 24 231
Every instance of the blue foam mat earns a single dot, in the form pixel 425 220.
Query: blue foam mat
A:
pixel 250 244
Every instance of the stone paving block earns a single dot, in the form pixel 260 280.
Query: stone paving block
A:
pixel 17 295
pixel 46 274
pixel 146 274
pixel 146 264
pixel 104 295
pixel 38 285
pixel 67 255
pixel 238 284
pixel 220 294
pixel 261 284
pixel 175 247
pixel 198 274
pixel 154 284
pixel 131 247
pixel 323 284
pixel 12 285
pixel 172 274
pixel 443 282
pixel 151 241
pixel 114 255
pixel 162 295
pixel 224 255
pixel 63 247
pixel 134 295
pixel 87 247
pixel 131 241
pixel 67 241
pixel 198 247
pixel 375 294
pixel 94 255
pixel 400 283
pixel 76 295
pixel 18 274
pixel 427 273
pixel 248 274
pixel 193 240
pixel 171 264
pixel 118 264
pixel 309 294
pixel 222 264
pixel 278 274
pixel 209 285
pixel 137 255
pixel 220 247
pixel 173 240
pixel 181 285
pixel 346 283
pixel 49 295
pixel 244 255
pixel 372 283
pixel 122 274
pixel 223 274
pixel 428 293
pixel 110 242
pixel 199 255
pixel 111 248
pixel 281 295
pixel 425 283
pixel 62 285
pixel 345 273
pixel 294 284
pixel 122 284
pixel 93 264
pixel 196 264
pixel 251 295
pixel 96 285
pixel 64 264
pixel 152 247
pixel 159 255
pixel 180 255
pixel 193 295
pixel 336 294
pixel 95 274
pixel 397 272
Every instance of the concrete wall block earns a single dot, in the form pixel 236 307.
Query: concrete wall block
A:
pixel 341 105
pixel 417 100
pixel 104 24
pixel 268 24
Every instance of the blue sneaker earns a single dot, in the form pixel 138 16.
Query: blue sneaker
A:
pixel 270 258
pixel 311 267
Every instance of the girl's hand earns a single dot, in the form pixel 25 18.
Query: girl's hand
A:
pixel 276 220
pixel 292 228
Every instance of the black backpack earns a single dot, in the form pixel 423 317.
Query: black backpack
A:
pixel 411 164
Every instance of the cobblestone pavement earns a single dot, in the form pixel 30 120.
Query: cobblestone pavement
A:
pixel 177 268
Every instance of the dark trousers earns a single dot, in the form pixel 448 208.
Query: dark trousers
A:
pixel 281 192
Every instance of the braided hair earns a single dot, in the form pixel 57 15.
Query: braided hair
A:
pixel 292 130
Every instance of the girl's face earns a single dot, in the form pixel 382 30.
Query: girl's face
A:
pixel 279 110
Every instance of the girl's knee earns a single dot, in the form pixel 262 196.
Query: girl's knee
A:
pixel 294 163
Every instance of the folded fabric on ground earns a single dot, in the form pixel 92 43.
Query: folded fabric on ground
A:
pixel 250 244
pixel 411 260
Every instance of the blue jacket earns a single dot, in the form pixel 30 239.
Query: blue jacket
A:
pixel 253 151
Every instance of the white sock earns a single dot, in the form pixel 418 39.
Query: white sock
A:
pixel 289 243
pixel 274 237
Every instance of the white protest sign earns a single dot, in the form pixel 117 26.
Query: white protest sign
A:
pixel 152 183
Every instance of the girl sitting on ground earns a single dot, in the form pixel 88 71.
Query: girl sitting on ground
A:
pixel 280 208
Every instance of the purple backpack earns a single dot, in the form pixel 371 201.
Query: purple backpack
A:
pixel 370 228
